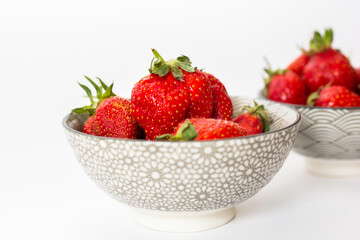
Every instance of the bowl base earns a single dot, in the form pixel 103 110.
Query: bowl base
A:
pixel 333 167
pixel 183 221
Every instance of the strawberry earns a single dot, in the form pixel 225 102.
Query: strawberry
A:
pixel 327 65
pixel 285 86
pixel 358 78
pixel 110 115
pixel 173 91
pixel 99 95
pixel 255 120
pixel 204 129
pixel 358 73
pixel 201 96
pixel 299 63
pixel 223 108
pixel 334 96
pixel 113 119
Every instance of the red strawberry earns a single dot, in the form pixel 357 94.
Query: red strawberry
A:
pixel 110 115
pixel 99 95
pixel 201 96
pixel 113 119
pixel 159 104
pixel 327 66
pixel 298 64
pixel 173 91
pixel 358 73
pixel 204 129
pixel 334 96
pixel 358 78
pixel 255 120
pixel 285 86
pixel 223 108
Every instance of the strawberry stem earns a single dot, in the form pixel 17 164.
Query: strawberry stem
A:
pixel 160 67
pixel 157 55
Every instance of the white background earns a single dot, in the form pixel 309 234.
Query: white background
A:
pixel 46 47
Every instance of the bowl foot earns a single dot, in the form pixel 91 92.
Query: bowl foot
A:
pixel 183 221
pixel 333 167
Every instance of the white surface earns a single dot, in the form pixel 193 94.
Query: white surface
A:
pixel 183 222
pixel 46 46
pixel 58 201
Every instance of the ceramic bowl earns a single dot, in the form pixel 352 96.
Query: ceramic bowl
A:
pixel 186 186
pixel 329 140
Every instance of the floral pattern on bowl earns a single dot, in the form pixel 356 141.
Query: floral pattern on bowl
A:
pixel 186 176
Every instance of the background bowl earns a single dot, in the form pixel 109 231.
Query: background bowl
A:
pixel 329 139
pixel 186 186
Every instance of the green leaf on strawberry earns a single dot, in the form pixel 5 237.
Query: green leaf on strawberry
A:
pixel 186 132
pixel 100 95
pixel 204 129
pixel 162 68
pixel 254 119
pixel 320 42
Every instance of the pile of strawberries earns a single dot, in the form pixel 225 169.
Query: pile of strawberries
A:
pixel 174 102
pixel 321 76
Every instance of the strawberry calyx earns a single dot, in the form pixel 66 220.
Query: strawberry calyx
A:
pixel 315 95
pixel 102 92
pixel 260 112
pixel 271 73
pixel 186 132
pixel 160 67
pixel 320 43
pixel 312 98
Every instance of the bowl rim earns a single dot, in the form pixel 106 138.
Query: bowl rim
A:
pixel 291 109
pixel 261 96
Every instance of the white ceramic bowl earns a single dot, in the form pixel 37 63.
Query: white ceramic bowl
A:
pixel 186 186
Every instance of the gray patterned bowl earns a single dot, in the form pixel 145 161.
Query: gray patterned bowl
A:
pixel 186 186
pixel 329 139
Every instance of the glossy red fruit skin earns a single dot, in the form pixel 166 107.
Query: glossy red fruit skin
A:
pixel 287 88
pixel 113 119
pixel 201 97
pixel 212 129
pixel 251 124
pixel 223 108
pixel 358 72
pixel 337 96
pixel 358 79
pixel 329 66
pixel 297 66
pixel 89 125
pixel 159 104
